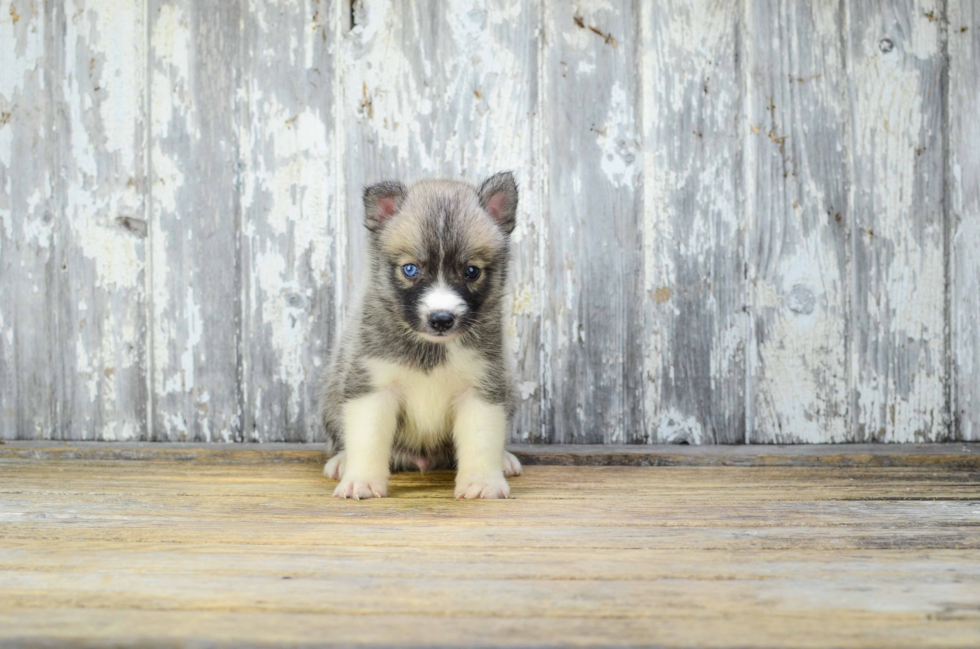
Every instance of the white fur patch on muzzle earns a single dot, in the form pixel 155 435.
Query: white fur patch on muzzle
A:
pixel 440 298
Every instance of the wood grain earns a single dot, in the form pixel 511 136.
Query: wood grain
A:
pixel 72 222
pixel 694 263
pixel 963 213
pixel 289 202
pixel 898 316
pixel 259 554
pixel 195 227
pixel 32 388
pixel 103 267
pixel 593 304
pixel 796 222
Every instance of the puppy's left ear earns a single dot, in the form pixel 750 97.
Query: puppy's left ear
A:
pixel 498 196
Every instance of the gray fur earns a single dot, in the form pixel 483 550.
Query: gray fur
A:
pixel 443 213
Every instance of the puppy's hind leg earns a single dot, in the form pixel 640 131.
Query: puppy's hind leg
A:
pixel 402 460
pixel 369 429
pixel 334 468
pixel 512 466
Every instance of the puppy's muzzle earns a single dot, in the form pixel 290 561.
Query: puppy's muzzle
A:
pixel 441 312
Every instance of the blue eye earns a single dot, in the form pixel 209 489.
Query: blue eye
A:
pixel 471 272
pixel 410 270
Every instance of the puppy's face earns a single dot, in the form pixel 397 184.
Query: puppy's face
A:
pixel 442 251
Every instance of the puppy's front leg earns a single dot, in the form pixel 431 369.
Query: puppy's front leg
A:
pixel 480 432
pixel 369 428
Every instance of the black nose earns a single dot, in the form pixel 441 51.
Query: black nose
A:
pixel 442 320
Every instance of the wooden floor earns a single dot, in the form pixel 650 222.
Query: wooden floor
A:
pixel 198 553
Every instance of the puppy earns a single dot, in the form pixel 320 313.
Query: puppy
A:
pixel 420 376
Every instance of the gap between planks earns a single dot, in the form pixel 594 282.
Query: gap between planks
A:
pixel 957 455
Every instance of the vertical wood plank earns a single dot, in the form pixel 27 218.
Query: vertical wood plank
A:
pixel 73 358
pixel 31 371
pixel 102 163
pixel 289 195
pixel 593 307
pixel 431 92
pixel 898 345
pixel 796 222
pixel 529 238
pixel 963 204
pixel 195 223
pixel 693 257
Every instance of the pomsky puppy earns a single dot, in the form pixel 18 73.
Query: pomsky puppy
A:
pixel 420 376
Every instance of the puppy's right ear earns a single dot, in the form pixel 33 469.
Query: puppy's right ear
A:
pixel 498 196
pixel 381 201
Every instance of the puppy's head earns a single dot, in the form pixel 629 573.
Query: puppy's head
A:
pixel 441 250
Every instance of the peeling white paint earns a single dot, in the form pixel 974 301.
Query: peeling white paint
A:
pixel 898 360
pixel 104 121
pixel 621 161
pixel 117 260
pixel 168 180
pixel 299 181
pixel 464 104
pixel 527 389
pixel 288 324
pixel 796 365
pixel 171 47
pixel 6 225
pixel 674 427
pixel 690 223
pixel 194 322
pixel 115 25
pixel 925 17
pixel 289 203
pixel 163 326
pixel 39 231
pixel 963 96
pixel 83 366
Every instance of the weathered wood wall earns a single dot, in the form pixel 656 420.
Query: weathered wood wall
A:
pixel 753 221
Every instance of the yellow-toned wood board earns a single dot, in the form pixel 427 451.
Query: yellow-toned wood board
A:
pixel 169 553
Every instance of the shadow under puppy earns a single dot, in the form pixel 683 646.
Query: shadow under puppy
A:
pixel 420 376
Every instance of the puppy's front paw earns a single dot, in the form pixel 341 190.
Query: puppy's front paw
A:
pixel 360 489
pixel 478 487
pixel 334 468
pixel 512 466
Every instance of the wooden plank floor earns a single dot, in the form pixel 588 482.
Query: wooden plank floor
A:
pixel 153 552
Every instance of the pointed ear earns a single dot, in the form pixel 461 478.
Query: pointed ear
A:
pixel 381 201
pixel 498 196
